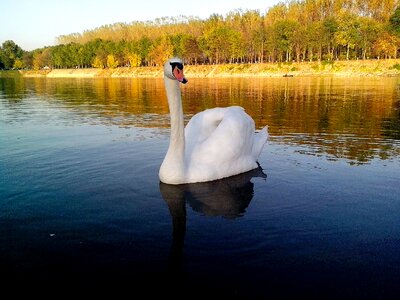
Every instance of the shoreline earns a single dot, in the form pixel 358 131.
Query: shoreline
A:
pixel 383 67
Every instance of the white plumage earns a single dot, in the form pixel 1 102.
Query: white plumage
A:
pixel 215 144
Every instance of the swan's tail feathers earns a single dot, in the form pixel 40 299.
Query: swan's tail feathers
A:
pixel 260 138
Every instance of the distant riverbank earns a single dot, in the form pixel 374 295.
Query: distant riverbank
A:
pixel 383 67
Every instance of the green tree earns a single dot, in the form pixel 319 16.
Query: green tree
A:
pixel 57 56
pixel 27 59
pixel 348 34
pixel 144 47
pixel 369 31
pixel 91 50
pixel 293 29
pixel 394 21
pixel 330 27
pixel 10 52
pixel 100 59
pixel 18 64
pixel 2 66
pixel 284 33
pixel 220 44
pixel 191 51
pixel 248 32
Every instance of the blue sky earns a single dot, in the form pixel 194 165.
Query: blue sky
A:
pixel 35 24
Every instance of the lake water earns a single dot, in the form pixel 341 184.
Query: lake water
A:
pixel 82 205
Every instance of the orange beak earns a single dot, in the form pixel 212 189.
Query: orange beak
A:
pixel 178 74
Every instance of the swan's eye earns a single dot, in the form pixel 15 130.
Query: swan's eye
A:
pixel 176 65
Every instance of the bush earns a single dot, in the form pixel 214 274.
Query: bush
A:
pixel 396 66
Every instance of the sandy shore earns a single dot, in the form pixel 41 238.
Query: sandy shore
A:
pixel 386 67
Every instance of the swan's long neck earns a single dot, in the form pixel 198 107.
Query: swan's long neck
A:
pixel 174 159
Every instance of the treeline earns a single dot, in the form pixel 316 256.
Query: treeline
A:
pixel 303 30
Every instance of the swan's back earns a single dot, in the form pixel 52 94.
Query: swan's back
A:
pixel 221 142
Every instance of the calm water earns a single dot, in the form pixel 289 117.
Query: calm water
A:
pixel 82 205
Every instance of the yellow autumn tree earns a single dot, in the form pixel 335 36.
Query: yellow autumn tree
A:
pixel 98 63
pixel 18 64
pixel 134 60
pixel 161 51
pixel 111 61
pixel 386 45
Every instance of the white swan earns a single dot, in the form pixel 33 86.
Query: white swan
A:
pixel 215 144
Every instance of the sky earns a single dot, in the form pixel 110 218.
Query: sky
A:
pixel 35 24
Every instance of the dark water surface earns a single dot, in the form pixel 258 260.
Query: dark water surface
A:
pixel 81 203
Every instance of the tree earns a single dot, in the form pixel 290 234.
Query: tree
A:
pixel 98 63
pixel 348 34
pixel 259 37
pixel 292 29
pixel 394 21
pixel 386 45
pixel 42 58
pixel 27 59
pixel 112 63
pixel 57 55
pixel 369 31
pixel 10 52
pixel 284 38
pixel 236 49
pixel 2 66
pixel 144 47
pixel 161 51
pixel 330 27
pixel 191 51
pixel 134 60
pixel 178 43
pixel 220 44
pixel 100 59
pixel 37 60
pixel 18 64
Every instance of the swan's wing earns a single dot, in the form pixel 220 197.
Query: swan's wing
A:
pixel 221 142
pixel 220 136
pixel 201 126
pixel 260 138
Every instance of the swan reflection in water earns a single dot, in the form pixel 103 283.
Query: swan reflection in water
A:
pixel 228 198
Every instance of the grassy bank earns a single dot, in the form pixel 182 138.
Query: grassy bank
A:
pixel 386 67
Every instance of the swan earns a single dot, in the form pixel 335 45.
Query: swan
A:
pixel 216 143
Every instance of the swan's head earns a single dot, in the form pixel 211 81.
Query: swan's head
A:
pixel 173 69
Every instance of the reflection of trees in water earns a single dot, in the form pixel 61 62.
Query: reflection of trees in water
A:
pixel 356 149
pixel 12 85
pixel 341 117
pixel 391 126
pixel 228 198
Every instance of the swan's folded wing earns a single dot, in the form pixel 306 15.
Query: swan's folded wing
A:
pixel 260 138
pixel 201 126
pixel 219 136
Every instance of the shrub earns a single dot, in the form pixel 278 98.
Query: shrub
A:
pixel 396 66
